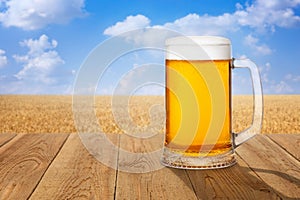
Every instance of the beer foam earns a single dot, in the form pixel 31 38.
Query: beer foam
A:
pixel 198 48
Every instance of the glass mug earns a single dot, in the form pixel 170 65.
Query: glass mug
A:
pixel 198 103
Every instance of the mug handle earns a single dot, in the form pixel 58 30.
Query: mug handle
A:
pixel 239 138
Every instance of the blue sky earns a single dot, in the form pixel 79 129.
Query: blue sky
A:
pixel 44 43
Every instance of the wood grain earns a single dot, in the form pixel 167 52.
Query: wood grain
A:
pixel 140 155
pixel 273 165
pixel 5 137
pixel 236 182
pixel 164 183
pixel 24 160
pixel 76 174
pixel 62 166
pixel 289 142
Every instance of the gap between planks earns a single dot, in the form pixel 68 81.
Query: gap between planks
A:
pixel 49 165
pixel 24 160
pixel 250 178
pixel 236 182
pixel 75 173
pixel 5 138
pixel 289 142
pixel 272 164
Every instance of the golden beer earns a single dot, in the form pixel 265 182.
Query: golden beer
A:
pixel 198 103
pixel 197 73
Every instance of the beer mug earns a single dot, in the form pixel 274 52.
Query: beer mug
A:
pixel 198 103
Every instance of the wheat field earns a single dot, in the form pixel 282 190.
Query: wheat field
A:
pixel 54 114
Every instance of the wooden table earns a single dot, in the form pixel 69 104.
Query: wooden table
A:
pixel 58 166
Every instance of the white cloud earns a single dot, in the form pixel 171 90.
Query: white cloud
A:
pixel 203 25
pixel 256 20
pixel 191 24
pixel 20 87
pixel 145 79
pixel 285 85
pixel 261 15
pixel 2 77
pixel 3 58
pixel 40 60
pixel 32 14
pixel 37 47
pixel 266 14
pixel 264 73
pixel 129 24
pixel 293 78
pixel 253 43
pixel 242 57
pixel 281 88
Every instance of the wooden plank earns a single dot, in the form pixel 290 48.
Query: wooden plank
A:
pixel 5 137
pixel 158 183
pixel 76 174
pixel 138 155
pixel 165 183
pixel 276 167
pixel 24 160
pixel 290 142
pixel 236 182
